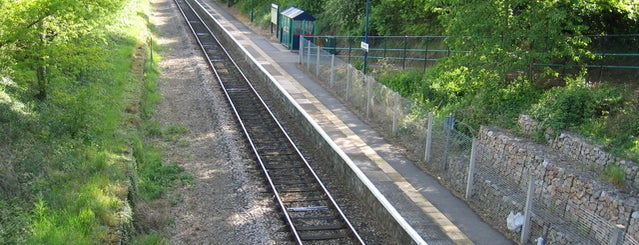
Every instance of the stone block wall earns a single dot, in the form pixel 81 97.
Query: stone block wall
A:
pixel 584 152
pixel 564 188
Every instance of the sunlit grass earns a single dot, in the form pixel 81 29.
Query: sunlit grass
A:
pixel 78 160
pixel 82 178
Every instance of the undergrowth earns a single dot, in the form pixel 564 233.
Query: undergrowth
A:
pixel 69 173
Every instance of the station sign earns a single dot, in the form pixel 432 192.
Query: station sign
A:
pixel 364 46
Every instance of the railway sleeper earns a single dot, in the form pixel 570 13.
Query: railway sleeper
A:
pixel 297 189
pixel 301 185
pixel 279 163
pixel 236 90
pixel 326 218
pixel 321 227
pixel 282 168
pixel 304 199
pixel 274 148
pixel 278 153
pixel 317 237
pixel 290 181
pixel 307 208
pixel 297 195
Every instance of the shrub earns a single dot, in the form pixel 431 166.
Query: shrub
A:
pixel 571 106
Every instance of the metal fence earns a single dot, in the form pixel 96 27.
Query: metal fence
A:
pixel 617 56
pixel 457 158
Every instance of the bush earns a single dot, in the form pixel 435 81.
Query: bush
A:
pixel 569 107
pixel 407 83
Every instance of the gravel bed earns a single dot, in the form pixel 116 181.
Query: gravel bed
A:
pixel 227 202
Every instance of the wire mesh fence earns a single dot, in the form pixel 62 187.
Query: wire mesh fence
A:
pixel 616 56
pixel 501 190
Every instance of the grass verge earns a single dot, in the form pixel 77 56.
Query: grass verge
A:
pixel 75 164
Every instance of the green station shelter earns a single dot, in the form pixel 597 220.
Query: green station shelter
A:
pixel 294 23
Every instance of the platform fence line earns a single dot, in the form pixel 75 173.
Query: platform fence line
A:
pixel 450 152
pixel 616 57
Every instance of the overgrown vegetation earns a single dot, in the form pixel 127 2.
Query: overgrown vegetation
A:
pixel 519 57
pixel 72 158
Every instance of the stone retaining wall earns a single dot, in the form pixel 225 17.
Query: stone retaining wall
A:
pixel 566 188
pixel 584 152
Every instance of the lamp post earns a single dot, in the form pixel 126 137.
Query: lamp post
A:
pixel 368 10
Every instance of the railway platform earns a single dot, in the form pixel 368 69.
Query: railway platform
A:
pixel 436 214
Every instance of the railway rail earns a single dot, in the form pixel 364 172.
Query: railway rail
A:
pixel 311 213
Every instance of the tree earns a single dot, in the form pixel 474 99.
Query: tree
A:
pixel 513 36
pixel 342 16
pixel 405 17
pixel 44 34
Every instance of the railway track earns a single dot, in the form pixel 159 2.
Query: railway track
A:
pixel 312 215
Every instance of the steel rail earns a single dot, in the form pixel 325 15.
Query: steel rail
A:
pixel 243 123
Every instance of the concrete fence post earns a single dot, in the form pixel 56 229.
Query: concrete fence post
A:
pixel 317 64
pixel 331 80
pixel 308 56
pixel 429 137
pixel 449 125
pixel 369 95
pixel 301 61
pixel 471 170
pixel 525 230
pixel 396 108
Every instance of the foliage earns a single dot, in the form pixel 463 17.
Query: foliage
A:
pixel 568 107
pixel 407 83
pixel 67 175
pixel 44 34
pixel 615 175
pixel 516 37
pixel 503 59
pixel 404 17
pixel 342 17
pixel 154 176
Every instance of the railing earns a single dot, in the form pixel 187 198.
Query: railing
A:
pixel 616 55
pixel 448 153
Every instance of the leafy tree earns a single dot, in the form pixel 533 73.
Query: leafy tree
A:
pixel 404 17
pixel 342 16
pixel 47 35
pixel 515 36
pixel 610 16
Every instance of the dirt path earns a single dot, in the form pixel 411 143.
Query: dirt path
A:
pixel 224 205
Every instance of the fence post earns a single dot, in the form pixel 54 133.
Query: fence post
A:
pixel 349 50
pixel 471 170
pixel 405 47
pixel 369 95
pixel 332 78
pixel 396 108
pixel 308 57
pixel 349 79
pixel 301 61
pixel 429 137
pixel 618 236
pixel 426 55
pixel 449 124
pixel 525 231
pixel 317 65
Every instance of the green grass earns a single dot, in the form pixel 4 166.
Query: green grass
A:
pixel 614 175
pixel 69 172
